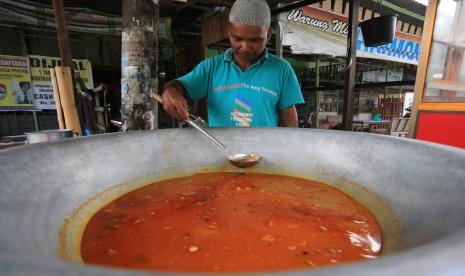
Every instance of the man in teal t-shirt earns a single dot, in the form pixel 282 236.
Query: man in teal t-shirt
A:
pixel 246 86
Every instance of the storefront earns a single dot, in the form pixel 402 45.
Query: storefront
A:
pixel 386 71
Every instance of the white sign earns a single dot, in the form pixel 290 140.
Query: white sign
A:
pixel 42 83
pixel 395 74
pixel 381 76
pixel 369 76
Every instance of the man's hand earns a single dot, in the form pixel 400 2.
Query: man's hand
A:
pixel 288 117
pixel 173 101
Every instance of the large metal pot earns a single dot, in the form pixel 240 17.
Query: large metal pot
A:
pixel 421 184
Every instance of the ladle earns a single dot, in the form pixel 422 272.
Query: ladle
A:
pixel 241 160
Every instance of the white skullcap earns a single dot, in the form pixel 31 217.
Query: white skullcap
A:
pixel 250 12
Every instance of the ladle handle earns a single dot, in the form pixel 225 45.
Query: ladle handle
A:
pixel 157 97
pixel 218 143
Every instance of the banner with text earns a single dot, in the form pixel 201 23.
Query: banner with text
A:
pixel 311 30
pixel 42 84
pixel 15 84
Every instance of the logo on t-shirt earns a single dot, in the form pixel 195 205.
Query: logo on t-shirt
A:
pixel 226 87
pixel 242 114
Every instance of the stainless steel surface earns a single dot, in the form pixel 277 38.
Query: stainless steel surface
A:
pixel 48 135
pixel 423 184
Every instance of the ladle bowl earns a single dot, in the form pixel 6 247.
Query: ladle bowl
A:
pixel 49 190
pixel 242 160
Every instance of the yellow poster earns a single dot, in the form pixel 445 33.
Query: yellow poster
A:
pixel 15 84
pixel 42 84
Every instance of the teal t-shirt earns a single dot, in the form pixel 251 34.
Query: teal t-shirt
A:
pixel 250 98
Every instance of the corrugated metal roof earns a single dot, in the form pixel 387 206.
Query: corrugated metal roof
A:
pixel 187 17
pixel 408 10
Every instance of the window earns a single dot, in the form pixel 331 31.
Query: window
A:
pixel 445 81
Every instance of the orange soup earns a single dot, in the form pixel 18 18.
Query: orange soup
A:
pixel 231 222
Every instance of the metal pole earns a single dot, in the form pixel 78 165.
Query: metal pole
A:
pixel 348 111
pixel 385 80
pixel 279 41
pixel 317 92
pixel 317 73
pixel 24 52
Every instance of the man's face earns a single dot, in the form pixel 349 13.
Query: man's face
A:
pixel 25 86
pixel 247 42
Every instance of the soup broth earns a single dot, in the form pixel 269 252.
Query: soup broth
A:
pixel 231 222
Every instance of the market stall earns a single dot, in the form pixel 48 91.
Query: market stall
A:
pixel 439 105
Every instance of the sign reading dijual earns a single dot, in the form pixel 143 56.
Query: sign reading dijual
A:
pixel 311 30
pixel 15 83
pixel 42 84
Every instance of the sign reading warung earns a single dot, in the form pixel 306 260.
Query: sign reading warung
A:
pixel 311 30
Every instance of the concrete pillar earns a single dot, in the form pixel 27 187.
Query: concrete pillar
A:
pixel 139 64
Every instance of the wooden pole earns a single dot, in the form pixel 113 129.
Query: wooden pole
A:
pixel 56 95
pixel 349 85
pixel 65 52
pixel 426 43
pixel 65 88
pixel 62 32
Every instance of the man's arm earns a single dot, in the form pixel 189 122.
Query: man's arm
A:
pixel 288 117
pixel 173 100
